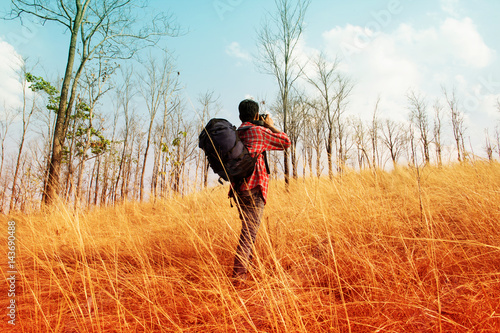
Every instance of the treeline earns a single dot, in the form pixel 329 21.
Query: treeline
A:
pixel 327 137
pixel 133 135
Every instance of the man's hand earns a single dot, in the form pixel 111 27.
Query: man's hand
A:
pixel 269 123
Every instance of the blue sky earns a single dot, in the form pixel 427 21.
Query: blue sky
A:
pixel 387 47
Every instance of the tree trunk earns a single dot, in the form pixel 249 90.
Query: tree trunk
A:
pixel 69 175
pixel 137 179
pixel 206 168
pixel 156 170
pixel 318 161
pixel 286 167
pixel 329 149
pixel 96 191
pixel 16 171
pixel 52 186
pixel 78 191
pixel 104 190
pixel 141 189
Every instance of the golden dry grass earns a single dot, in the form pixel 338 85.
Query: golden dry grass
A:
pixel 404 251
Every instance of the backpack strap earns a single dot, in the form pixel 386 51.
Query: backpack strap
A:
pixel 244 128
pixel 266 163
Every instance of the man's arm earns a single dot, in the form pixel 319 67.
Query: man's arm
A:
pixel 277 140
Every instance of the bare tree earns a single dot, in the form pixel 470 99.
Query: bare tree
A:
pixel 170 103
pixel 488 148
pixel 314 129
pixel 278 40
pixel 324 80
pixel 411 151
pixel 393 139
pixel 373 134
pixel 438 110
pixel 155 85
pixel 107 27
pixel 177 151
pixel 334 89
pixel 457 123
pixel 29 106
pixel 182 147
pixel 209 108
pixel 6 120
pixel 114 152
pixel 343 90
pixel 103 146
pixel 124 95
pixel 297 110
pixel 131 180
pixel 497 137
pixel 419 117
pixel 497 130
pixel 359 138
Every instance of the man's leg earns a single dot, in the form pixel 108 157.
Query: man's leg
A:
pixel 251 208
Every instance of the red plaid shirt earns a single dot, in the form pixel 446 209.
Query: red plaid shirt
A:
pixel 258 139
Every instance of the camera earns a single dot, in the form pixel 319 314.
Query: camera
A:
pixel 261 121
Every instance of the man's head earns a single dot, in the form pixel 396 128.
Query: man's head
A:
pixel 249 110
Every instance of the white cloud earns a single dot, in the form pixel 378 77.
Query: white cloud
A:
pixel 466 43
pixel 453 43
pixel 392 63
pixel 10 85
pixel 378 67
pixel 451 54
pixel 235 50
pixel 489 103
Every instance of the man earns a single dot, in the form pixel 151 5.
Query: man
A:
pixel 251 195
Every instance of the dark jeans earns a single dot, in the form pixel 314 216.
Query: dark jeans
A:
pixel 251 207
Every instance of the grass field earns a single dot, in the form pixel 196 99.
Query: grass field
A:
pixel 402 251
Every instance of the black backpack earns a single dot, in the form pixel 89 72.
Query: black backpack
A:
pixel 227 155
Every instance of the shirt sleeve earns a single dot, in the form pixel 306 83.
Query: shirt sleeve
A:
pixel 278 141
pixel 273 141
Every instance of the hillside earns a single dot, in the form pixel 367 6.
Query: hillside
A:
pixel 402 251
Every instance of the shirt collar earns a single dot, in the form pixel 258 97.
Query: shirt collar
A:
pixel 246 124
